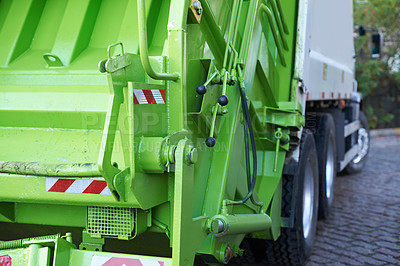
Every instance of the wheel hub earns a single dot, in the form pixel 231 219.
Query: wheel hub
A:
pixel 330 172
pixel 363 144
pixel 308 200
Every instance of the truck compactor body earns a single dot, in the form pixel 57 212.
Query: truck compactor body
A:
pixel 155 132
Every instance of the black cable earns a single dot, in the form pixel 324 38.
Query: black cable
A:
pixel 248 126
pixel 246 150
pixel 253 144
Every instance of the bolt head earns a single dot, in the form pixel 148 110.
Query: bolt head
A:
pixel 171 153
pixel 201 89
pixel 197 7
pixel 227 254
pixel 217 226
pixel 193 155
pixel 102 66
pixel 223 100
pixel 210 142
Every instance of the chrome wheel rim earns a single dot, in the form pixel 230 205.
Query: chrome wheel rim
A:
pixel 329 172
pixel 308 199
pixel 363 144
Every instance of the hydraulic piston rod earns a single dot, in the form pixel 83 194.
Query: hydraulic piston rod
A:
pixel 221 225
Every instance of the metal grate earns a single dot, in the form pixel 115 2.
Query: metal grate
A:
pixel 110 221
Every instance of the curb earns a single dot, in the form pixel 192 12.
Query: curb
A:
pixel 385 132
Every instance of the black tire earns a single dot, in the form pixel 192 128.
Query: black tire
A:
pixel 357 164
pixel 327 162
pixel 294 245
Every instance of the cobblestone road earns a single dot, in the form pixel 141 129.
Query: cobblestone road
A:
pixel 364 226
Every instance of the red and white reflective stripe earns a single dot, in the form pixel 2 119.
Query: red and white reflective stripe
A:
pixel 84 186
pixel 148 96
pixel 114 261
pixel 5 260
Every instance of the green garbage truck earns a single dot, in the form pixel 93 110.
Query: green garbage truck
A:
pixel 181 132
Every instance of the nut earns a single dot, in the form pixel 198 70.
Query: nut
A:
pixel 197 7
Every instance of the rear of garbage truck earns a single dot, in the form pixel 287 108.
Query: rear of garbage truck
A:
pixel 177 132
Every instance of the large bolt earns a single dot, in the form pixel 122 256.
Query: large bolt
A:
pixel 217 227
pixel 171 153
pixel 102 66
pixel 223 253
pixel 192 156
pixel 227 254
pixel 197 7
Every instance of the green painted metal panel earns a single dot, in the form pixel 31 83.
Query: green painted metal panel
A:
pixel 71 41
pixel 18 29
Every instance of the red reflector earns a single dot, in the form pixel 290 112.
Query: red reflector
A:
pixel 5 260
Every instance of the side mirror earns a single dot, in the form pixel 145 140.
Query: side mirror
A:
pixel 376 45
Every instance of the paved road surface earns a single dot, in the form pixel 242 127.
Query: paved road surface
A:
pixel 364 227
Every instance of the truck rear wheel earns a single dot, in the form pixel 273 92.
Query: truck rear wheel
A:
pixel 295 244
pixel 358 162
pixel 326 150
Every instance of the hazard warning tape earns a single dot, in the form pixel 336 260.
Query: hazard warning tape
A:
pixel 148 96
pixel 85 186
pixel 5 260
pixel 114 261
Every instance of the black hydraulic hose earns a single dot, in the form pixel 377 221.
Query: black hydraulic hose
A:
pixel 246 149
pixel 248 126
pixel 253 145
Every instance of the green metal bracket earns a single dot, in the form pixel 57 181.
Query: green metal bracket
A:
pixel 155 154
pixel 52 60
pixel 283 116
pixel 188 233
pixel 90 243
pixel 113 64
pixel 119 183
pixel 107 169
pixel 122 70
